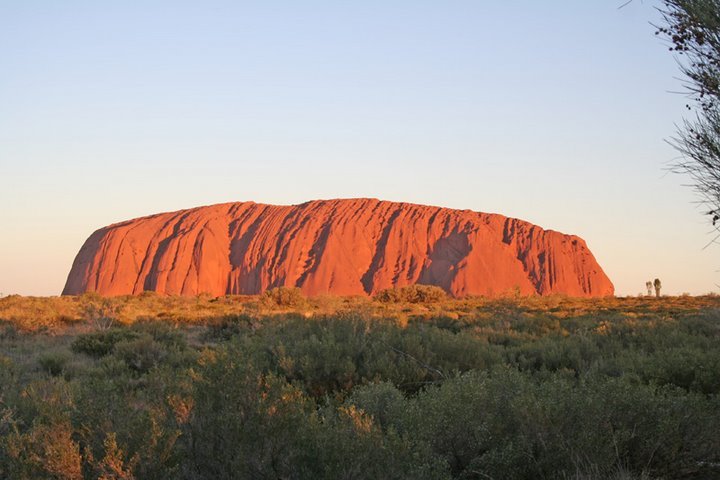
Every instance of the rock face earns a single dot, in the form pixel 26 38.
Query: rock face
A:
pixel 340 247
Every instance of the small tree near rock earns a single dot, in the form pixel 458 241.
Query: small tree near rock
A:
pixel 99 311
pixel 658 285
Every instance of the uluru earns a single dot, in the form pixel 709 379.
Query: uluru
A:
pixel 339 247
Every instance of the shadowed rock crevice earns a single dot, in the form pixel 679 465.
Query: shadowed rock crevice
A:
pixel 444 260
pixel 367 279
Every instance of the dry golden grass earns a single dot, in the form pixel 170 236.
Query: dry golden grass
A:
pixel 56 314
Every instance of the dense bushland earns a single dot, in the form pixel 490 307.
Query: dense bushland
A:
pixel 515 388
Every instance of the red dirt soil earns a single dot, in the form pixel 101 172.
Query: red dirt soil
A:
pixel 339 247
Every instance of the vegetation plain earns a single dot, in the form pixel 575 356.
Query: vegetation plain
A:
pixel 407 384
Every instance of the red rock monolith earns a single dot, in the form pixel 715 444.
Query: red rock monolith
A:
pixel 340 247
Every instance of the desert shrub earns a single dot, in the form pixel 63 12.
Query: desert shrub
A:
pixel 443 322
pixel 382 401
pixel 536 325
pixel 553 353
pixel 459 352
pixel 45 451
pixel 352 445
pixel 412 294
pixel 36 435
pixel 325 355
pixel 41 399
pixel 284 297
pixel 684 366
pixel 332 354
pixel 101 343
pixel 54 362
pixel 101 312
pixel 469 423
pixel 508 424
pixel 421 354
pixel 130 425
pixel 335 353
pixel 246 424
pixel 8 331
pixel 154 343
pixel 114 464
pixel 227 326
pixel 165 333
pixel 140 354
pixel 7 371
pixel 617 422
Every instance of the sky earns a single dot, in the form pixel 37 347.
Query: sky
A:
pixel 555 112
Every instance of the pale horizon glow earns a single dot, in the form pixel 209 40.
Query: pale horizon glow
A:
pixel 552 112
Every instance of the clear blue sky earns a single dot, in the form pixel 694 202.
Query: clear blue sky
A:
pixel 554 112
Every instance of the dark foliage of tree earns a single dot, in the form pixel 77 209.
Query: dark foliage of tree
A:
pixel 693 30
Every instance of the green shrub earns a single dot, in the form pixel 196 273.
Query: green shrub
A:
pixel 163 332
pixel 141 353
pixel 99 344
pixel 227 326
pixel 7 371
pixel 8 331
pixel 245 423
pixel 509 424
pixel 54 362
pixel 352 445
pixel 382 401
